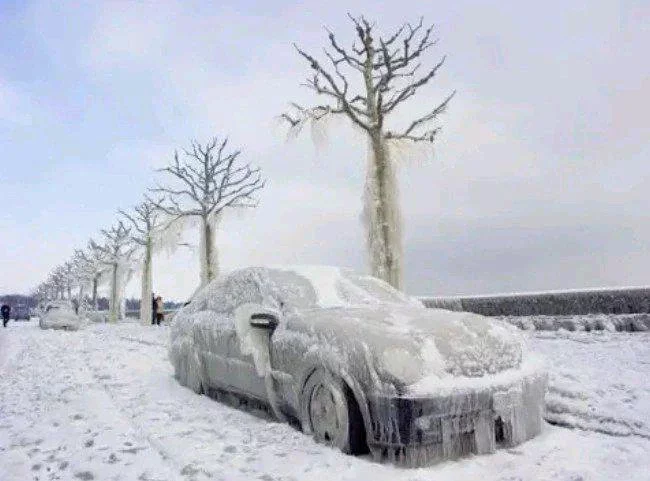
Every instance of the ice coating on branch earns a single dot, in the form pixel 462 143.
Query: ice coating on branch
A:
pixel 168 237
pixel 405 152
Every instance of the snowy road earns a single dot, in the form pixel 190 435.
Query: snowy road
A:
pixel 102 404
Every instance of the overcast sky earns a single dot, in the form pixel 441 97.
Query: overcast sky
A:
pixel 540 180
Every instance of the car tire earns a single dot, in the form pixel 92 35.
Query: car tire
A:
pixel 330 413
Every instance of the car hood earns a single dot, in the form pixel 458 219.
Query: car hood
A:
pixel 409 343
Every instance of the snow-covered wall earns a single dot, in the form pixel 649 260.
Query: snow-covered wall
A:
pixel 589 301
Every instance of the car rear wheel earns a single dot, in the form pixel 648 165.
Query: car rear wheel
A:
pixel 331 415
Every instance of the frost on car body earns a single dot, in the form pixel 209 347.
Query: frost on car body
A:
pixel 59 315
pixel 360 365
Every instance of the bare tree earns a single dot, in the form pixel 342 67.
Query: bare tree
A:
pixel 69 278
pixel 52 290
pixel 57 283
pixel 86 271
pixel 366 84
pixel 116 253
pixel 45 291
pixel 93 256
pixel 208 181
pixel 147 221
pixel 42 293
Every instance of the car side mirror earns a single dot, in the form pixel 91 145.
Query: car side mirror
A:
pixel 264 320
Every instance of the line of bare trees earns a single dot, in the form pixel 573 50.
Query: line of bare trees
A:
pixel 365 83
pixel 200 184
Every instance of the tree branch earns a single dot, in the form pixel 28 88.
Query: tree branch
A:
pixel 216 181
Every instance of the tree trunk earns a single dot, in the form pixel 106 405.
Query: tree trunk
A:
pixel 146 288
pixel 95 285
pixel 114 302
pixel 80 296
pixel 382 215
pixel 209 257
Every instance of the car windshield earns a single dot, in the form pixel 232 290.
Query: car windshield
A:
pixel 373 290
pixel 305 287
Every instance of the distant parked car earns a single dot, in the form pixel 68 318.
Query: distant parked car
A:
pixel 60 315
pixel 20 312
pixel 359 365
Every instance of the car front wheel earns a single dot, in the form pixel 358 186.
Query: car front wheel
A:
pixel 330 413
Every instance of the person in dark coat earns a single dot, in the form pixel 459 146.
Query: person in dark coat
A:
pixel 159 310
pixel 6 312
pixel 75 304
pixel 154 309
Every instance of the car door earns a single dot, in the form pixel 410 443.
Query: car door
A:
pixel 247 353
pixel 241 290
pixel 214 331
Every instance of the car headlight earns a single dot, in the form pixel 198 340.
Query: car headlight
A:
pixel 402 365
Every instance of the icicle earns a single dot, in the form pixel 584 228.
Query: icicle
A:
pixel 168 237
pixel 381 216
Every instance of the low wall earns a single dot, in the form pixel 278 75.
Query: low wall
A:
pixel 635 300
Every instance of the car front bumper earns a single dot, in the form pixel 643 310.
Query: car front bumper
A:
pixel 475 418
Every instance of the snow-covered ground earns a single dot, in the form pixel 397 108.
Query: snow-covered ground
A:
pixel 101 404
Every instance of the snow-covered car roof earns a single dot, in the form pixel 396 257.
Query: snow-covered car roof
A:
pixel 338 287
pixel 304 287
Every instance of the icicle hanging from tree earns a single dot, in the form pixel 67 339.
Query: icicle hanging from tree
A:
pixel 382 219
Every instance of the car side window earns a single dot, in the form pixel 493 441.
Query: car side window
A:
pixel 291 290
pixel 233 292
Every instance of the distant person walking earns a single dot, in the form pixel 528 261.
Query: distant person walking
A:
pixel 6 312
pixel 159 310
pixel 75 304
pixel 154 309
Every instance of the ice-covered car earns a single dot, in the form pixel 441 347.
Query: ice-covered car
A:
pixel 59 315
pixel 359 365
